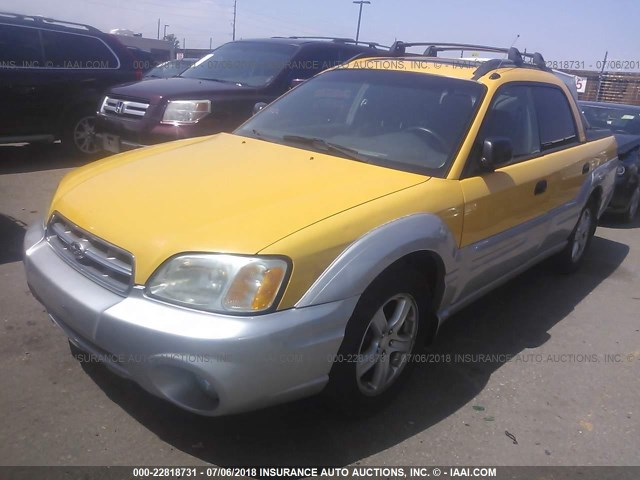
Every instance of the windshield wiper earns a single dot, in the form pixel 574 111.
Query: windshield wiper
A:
pixel 212 80
pixel 220 81
pixel 329 147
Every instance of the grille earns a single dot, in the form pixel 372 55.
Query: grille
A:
pixel 123 108
pixel 106 264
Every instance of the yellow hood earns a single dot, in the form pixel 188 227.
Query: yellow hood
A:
pixel 219 194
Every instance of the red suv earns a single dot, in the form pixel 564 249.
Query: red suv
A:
pixel 219 91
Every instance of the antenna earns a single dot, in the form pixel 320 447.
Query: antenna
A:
pixel 512 45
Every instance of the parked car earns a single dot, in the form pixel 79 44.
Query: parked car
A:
pixel 624 122
pixel 218 92
pixel 323 242
pixel 172 68
pixel 142 60
pixel 53 74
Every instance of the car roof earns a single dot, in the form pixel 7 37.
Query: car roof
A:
pixel 453 68
pixel 47 23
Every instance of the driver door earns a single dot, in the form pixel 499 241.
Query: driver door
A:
pixel 504 215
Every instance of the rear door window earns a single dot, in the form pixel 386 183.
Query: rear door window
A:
pixel 68 50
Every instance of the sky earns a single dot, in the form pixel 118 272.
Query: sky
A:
pixel 562 30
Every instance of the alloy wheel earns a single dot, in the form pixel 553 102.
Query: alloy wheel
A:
pixel 581 237
pixel 84 135
pixel 386 345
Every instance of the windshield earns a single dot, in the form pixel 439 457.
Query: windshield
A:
pixel 615 119
pixel 171 68
pixel 252 64
pixel 403 120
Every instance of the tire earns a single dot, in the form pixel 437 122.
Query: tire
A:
pixel 77 352
pixel 570 259
pixel 634 203
pixel 369 369
pixel 78 136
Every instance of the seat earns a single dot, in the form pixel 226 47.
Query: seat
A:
pixel 453 107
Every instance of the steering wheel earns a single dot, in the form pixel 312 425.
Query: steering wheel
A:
pixel 431 137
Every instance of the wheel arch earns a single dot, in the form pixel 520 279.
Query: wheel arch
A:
pixel 430 265
pixel 419 242
pixel 596 196
pixel 85 101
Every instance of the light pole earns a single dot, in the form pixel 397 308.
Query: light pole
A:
pixel 235 12
pixel 361 3
pixel 165 30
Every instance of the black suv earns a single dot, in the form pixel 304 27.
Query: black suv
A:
pixel 53 75
pixel 219 91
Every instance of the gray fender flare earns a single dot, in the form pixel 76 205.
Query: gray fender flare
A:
pixel 360 263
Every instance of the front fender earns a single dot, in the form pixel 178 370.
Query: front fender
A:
pixel 367 257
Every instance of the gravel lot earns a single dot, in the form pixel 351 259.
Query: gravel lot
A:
pixel 564 383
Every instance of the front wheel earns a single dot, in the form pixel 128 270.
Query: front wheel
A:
pixel 570 259
pixel 386 328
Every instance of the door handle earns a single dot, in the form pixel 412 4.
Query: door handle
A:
pixel 585 168
pixel 541 187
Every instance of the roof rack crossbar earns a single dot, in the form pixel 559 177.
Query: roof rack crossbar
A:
pixel 339 40
pixel 513 54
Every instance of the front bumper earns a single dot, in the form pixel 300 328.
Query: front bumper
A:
pixel 209 364
pixel 135 133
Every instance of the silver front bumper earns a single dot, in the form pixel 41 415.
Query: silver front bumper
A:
pixel 207 363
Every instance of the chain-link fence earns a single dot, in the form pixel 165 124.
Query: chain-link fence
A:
pixel 614 87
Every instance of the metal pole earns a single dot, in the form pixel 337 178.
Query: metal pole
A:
pixel 210 42
pixel 601 76
pixel 165 30
pixel 235 12
pixel 158 29
pixel 361 3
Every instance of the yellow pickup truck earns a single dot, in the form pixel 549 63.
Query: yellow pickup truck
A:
pixel 320 245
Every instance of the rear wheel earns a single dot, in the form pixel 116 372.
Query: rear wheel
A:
pixel 386 328
pixel 79 135
pixel 570 259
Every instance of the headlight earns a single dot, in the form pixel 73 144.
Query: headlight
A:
pixel 621 170
pixel 220 283
pixel 186 111
pixel 102 104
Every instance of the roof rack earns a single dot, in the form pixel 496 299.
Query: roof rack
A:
pixel 38 19
pixel 339 40
pixel 515 58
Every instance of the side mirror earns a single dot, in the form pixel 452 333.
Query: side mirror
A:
pixel 496 152
pixel 259 106
pixel 297 81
